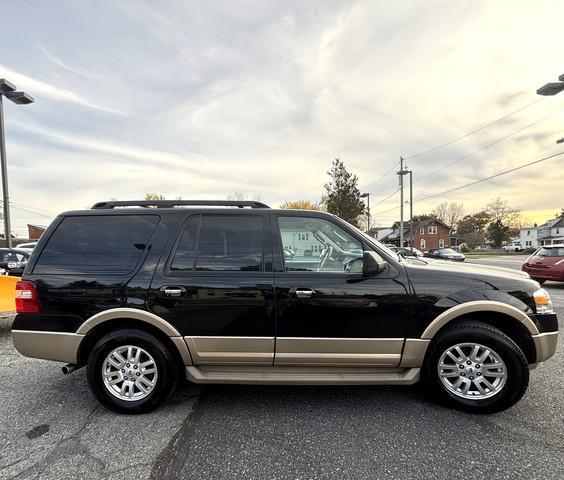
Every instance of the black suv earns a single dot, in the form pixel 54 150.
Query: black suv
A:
pixel 148 293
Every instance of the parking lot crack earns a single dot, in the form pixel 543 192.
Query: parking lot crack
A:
pixel 172 458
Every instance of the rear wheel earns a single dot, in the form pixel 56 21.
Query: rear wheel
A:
pixel 475 367
pixel 131 371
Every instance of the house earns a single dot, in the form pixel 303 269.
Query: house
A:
pixel 528 237
pixel 35 231
pixel 548 233
pixel 551 232
pixel 427 234
pixel 302 243
pixel 379 232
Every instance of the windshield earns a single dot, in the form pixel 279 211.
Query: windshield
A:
pixel 381 246
pixel 447 250
pixel 551 252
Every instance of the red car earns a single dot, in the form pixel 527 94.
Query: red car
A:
pixel 547 263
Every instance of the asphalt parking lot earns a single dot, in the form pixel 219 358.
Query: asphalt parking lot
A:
pixel 52 427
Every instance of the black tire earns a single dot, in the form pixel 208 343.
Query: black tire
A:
pixel 517 379
pixel 165 364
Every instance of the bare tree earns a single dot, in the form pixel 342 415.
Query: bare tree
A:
pixel 242 196
pixel 449 212
pixel 501 212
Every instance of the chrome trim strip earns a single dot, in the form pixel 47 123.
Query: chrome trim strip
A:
pixel 545 345
pixel 383 352
pixel 210 350
pixel 56 346
pixel 302 375
pixel 479 306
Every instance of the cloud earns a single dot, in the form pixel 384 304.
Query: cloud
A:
pixel 39 89
pixel 260 96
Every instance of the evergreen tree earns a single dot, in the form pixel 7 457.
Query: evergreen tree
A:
pixel 342 196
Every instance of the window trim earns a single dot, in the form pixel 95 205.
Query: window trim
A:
pixel 168 272
pixel 280 245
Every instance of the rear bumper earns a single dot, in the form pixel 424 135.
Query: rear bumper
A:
pixel 545 345
pixel 56 346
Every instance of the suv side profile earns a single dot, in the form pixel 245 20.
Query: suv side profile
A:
pixel 148 293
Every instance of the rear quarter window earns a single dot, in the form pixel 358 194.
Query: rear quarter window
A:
pixel 111 244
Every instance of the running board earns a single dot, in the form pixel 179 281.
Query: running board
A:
pixel 302 375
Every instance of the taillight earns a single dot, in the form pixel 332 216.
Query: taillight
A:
pixel 26 298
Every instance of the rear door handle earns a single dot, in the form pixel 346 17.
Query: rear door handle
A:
pixel 303 292
pixel 173 291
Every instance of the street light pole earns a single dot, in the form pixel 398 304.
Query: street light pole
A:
pixel 8 90
pixel 411 210
pixel 400 173
pixel 367 196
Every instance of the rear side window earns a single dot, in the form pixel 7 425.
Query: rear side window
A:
pixel 220 243
pixel 110 244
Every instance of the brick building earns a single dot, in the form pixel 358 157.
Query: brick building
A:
pixel 427 234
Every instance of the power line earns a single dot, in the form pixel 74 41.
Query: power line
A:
pixel 385 174
pixel 50 217
pixel 383 200
pixel 33 208
pixel 477 181
pixel 450 142
pixel 489 145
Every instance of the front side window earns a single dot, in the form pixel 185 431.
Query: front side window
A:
pixel 330 248
pixel 111 244
pixel 220 243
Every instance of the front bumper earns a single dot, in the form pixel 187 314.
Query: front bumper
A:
pixel 545 345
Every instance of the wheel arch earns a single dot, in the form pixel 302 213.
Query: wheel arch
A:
pixel 510 320
pixel 102 323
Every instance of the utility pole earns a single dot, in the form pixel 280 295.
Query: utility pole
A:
pixel 367 196
pixel 8 90
pixel 411 210
pixel 400 173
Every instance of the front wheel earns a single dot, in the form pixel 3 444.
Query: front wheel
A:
pixel 475 367
pixel 131 371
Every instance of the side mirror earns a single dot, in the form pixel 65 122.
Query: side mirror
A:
pixel 372 263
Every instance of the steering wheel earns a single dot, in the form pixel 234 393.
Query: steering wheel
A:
pixel 328 253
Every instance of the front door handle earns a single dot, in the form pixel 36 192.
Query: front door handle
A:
pixel 173 291
pixel 303 292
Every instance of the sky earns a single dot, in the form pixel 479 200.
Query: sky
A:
pixel 201 99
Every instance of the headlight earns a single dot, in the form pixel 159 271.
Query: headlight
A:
pixel 542 301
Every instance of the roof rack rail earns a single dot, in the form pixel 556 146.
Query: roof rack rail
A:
pixel 179 203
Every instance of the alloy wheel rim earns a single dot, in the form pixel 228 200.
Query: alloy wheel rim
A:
pixel 472 371
pixel 129 373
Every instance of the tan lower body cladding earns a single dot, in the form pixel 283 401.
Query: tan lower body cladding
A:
pixel 300 351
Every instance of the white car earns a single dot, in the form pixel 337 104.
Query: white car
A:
pixel 512 247
pixel 28 247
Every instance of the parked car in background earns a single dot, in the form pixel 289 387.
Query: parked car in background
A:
pixel 406 251
pixel 28 246
pixel 512 247
pixel 13 260
pixel 445 254
pixel 547 263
